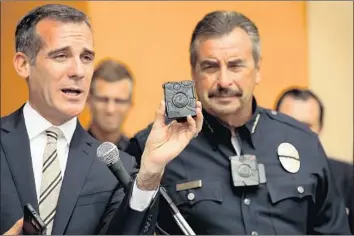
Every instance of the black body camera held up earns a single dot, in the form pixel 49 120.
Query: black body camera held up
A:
pixel 180 100
pixel 246 171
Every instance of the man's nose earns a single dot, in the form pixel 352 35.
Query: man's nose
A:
pixel 111 106
pixel 77 69
pixel 224 80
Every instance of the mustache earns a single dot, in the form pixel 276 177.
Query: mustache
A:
pixel 225 92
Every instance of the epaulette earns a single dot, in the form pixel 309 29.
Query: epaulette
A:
pixel 285 119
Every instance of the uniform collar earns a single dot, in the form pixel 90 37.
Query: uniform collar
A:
pixel 246 132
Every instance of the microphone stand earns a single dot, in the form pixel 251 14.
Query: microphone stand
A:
pixel 181 222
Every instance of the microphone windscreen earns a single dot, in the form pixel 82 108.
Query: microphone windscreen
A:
pixel 108 153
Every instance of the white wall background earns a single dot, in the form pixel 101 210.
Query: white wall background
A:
pixel 330 48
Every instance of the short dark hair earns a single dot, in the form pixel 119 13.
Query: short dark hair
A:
pixel 27 39
pixel 111 71
pixel 304 95
pixel 219 23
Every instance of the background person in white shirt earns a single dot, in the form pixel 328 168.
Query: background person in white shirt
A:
pixel 54 54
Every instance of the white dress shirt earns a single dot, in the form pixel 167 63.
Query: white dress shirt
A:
pixel 36 126
pixel 235 143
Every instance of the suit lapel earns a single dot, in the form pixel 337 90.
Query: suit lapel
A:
pixel 15 142
pixel 78 166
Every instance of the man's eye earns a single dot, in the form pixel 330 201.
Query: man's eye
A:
pixel 235 67
pixel 87 58
pixel 210 67
pixel 60 57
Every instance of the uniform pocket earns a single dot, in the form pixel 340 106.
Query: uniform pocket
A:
pixel 290 200
pixel 281 189
pixel 210 191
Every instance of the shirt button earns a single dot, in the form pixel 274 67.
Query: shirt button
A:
pixel 300 189
pixel 246 201
pixel 191 196
pixel 254 233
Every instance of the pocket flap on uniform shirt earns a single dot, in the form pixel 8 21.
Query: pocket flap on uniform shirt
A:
pixel 210 190
pixel 284 188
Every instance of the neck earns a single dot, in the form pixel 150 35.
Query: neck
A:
pixel 103 136
pixel 56 120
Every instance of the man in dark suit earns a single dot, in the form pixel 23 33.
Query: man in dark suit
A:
pixel 305 106
pixel 49 160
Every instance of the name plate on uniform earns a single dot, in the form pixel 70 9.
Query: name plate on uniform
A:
pixel 189 185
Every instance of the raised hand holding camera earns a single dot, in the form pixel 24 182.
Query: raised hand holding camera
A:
pixel 167 141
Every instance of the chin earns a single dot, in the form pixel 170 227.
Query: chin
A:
pixel 73 109
pixel 225 110
pixel 109 129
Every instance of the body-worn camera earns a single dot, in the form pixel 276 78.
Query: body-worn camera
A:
pixel 246 171
pixel 180 100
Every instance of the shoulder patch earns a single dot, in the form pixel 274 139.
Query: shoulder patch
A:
pixel 285 119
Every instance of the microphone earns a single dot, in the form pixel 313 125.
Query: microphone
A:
pixel 108 153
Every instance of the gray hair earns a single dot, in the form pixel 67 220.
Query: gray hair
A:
pixel 219 23
pixel 27 39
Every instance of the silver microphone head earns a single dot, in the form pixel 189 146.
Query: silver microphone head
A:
pixel 108 153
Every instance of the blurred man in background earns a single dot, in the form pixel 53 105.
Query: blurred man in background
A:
pixel 110 100
pixel 305 106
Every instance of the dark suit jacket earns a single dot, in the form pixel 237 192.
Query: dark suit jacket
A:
pixel 91 200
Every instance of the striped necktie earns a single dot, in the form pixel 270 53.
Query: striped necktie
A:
pixel 51 179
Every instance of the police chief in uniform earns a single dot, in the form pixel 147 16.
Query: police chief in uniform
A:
pixel 250 170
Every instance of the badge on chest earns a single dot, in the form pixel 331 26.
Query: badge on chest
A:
pixel 246 171
pixel 289 157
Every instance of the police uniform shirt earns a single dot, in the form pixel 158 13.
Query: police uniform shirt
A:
pixel 199 181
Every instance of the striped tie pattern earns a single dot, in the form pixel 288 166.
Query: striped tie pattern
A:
pixel 51 180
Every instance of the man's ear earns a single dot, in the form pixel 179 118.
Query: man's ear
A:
pixel 22 64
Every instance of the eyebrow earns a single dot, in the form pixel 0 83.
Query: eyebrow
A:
pixel 57 51
pixel 236 62
pixel 88 51
pixel 67 48
pixel 208 62
pixel 229 63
